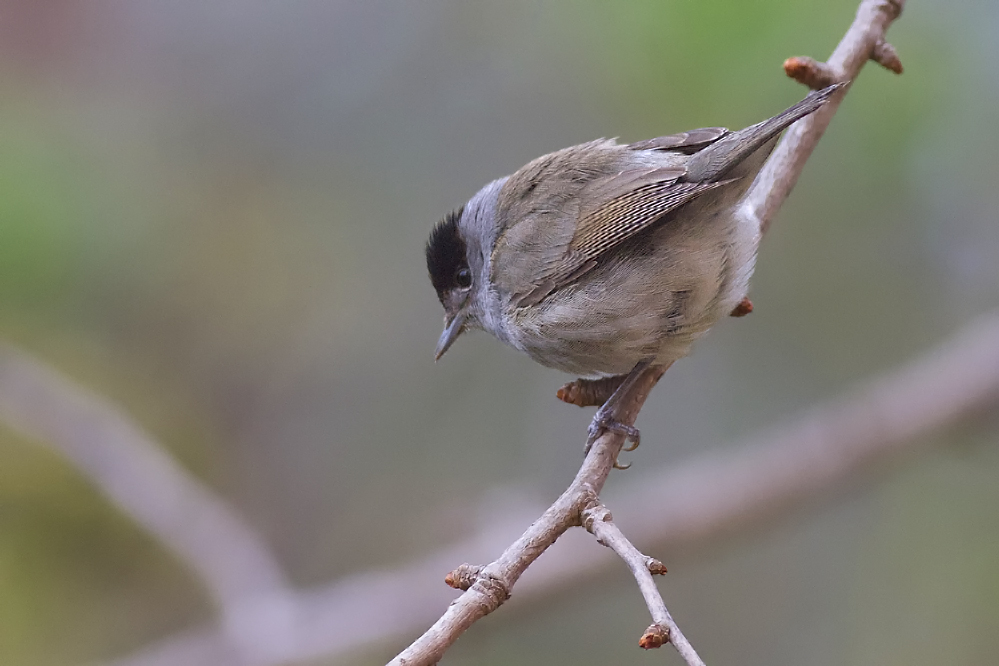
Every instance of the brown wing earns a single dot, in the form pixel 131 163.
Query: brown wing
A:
pixel 684 142
pixel 622 206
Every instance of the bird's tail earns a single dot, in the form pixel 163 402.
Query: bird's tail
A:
pixel 717 159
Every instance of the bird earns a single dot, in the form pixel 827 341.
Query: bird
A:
pixel 603 258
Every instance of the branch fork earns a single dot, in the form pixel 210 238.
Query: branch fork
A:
pixel 817 75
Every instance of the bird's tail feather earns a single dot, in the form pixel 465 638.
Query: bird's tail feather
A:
pixel 717 159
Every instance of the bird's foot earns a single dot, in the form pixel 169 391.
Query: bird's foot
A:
pixel 604 421
pixel 606 418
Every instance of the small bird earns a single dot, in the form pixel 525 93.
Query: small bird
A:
pixel 604 258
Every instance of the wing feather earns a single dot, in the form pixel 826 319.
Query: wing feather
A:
pixel 622 205
pixel 683 142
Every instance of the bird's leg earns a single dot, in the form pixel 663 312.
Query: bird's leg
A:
pixel 590 392
pixel 606 416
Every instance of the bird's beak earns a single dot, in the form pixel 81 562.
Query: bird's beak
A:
pixel 453 327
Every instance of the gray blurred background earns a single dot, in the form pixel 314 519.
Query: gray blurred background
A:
pixel 214 215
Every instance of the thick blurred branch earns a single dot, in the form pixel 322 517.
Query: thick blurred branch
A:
pixel 145 483
pixel 734 489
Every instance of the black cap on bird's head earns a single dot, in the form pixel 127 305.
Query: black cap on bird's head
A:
pixel 447 263
pixel 446 254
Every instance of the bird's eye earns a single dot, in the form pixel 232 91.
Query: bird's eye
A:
pixel 463 278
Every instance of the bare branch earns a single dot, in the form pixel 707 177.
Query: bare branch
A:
pixel 598 521
pixel 860 44
pixel 494 582
pixel 145 483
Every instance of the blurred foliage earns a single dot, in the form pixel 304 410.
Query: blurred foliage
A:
pixel 213 214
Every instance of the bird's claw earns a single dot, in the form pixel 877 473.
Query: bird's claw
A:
pixel 603 422
pixel 606 417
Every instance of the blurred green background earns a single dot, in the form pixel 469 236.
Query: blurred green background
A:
pixel 214 215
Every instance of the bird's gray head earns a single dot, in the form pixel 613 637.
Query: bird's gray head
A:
pixel 458 260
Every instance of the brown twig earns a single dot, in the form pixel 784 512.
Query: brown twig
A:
pixel 589 392
pixel 598 521
pixel 886 56
pixel 494 582
pixel 810 72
